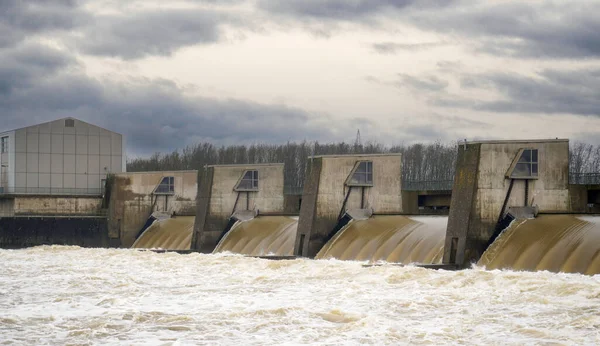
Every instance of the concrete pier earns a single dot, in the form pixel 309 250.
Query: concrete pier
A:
pixel 327 197
pixel 219 199
pixel 484 189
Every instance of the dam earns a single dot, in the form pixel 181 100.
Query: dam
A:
pixel 512 205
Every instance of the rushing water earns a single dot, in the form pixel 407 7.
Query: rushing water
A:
pixel 264 235
pixel 391 238
pixel 558 243
pixel 69 295
pixel 171 234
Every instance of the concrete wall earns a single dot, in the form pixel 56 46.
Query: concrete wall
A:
pixel 217 199
pixel 7 207
pixel 292 204
pixel 59 159
pixel 131 200
pixel 19 232
pixel 325 191
pixel 50 205
pixel 480 188
pixel 426 202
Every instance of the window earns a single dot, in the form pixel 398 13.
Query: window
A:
pixel 166 186
pixel 362 174
pixel 526 166
pixel 69 123
pixel 249 181
pixel 4 144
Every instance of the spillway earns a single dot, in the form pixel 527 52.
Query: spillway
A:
pixel 557 243
pixel 170 234
pixel 261 236
pixel 391 238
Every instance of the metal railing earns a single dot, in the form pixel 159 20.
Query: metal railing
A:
pixel 584 178
pixel 51 191
pixel 427 185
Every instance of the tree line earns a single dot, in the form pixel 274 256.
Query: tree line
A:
pixel 420 162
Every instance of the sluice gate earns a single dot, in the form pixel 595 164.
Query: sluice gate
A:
pixel 169 234
pixel 557 243
pixel 391 238
pixel 261 236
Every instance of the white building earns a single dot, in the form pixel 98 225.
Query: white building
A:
pixel 61 157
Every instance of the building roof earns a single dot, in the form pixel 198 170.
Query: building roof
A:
pixel 52 121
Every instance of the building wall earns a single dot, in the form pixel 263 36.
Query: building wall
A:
pixel 480 188
pixel 131 200
pixel 7 162
pixel 217 198
pixel 324 194
pixel 52 158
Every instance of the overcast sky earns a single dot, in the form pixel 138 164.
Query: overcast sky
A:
pixel 171 73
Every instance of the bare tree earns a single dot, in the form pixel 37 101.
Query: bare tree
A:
pixel 421 162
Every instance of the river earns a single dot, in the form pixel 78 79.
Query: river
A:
pixel 68 295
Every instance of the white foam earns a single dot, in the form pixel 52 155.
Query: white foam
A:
pixel 61 295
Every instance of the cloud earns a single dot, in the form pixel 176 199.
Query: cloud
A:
pixel 421 83
pixel 522 29
pixel 153 114
pixel 417 84
pixel 393 48
pixel 151 33
pixel 22 18
pixel 341 9
pixel 27 64
pixel 551 91
pixel 127 32
pixel 534 29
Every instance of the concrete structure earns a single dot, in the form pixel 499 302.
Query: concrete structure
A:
pixel 84 231
pixel 134 197
pixel 221 195
pixel 328 194
pixel 484 189
pixel 426 202
pixel 32 205
pixel 65 156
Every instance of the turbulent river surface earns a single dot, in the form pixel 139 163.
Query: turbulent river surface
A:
pixel 68 295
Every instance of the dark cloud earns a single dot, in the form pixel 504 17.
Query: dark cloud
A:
pixel 27 64
pixel 22 18
pixel 551 91
pixel 533 29
pixel 133 34
pixel 341 9
pixel 159 32
pixel 154 115
pixel 523 29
